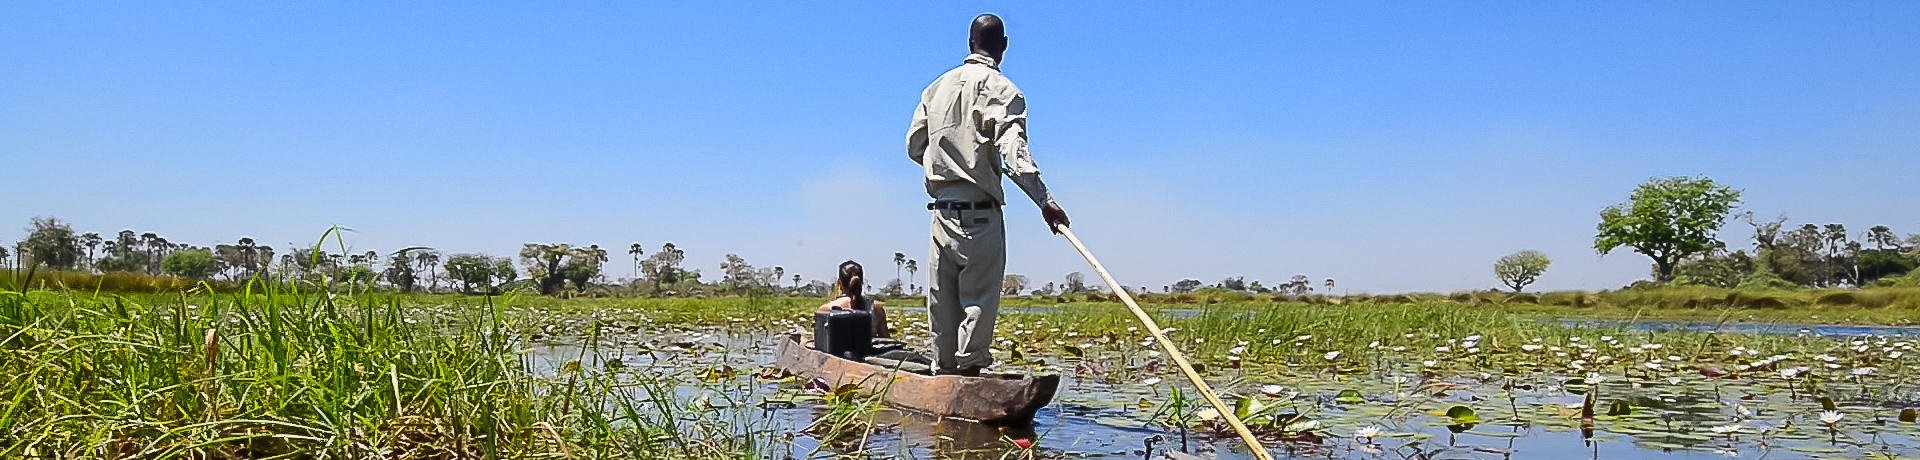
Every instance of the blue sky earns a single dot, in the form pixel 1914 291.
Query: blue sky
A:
pixel 1392 146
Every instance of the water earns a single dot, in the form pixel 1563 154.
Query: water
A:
pixel 1095 418
pixel 1820 330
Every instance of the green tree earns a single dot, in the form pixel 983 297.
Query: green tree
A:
pixel 1667 219
pixel 52 243
pixel 1520 269
pixel 1013 284
pixel 479 271
pixel 1186 286
pixel 546 264
pixel 663 267
pixel 583 265
pixel 400 268
pixel 192 264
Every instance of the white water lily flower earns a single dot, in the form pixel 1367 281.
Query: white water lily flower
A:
pixel 1272 390
pixel 1430 363
pixel 1727 429
pixel 1473 338
pixel 1573 339
pixel 1675 380
pixel 1863 371
pixel 1150 381
pixel 1275 342
pixel 1169 330
pixel 1827 358
pixel 1332 354
pixel 1442 349
pixel 1894 355
pixel 1199 340
pixel 1651 365
pixel 1472 350
pixel 1530 347
pixel 1237 350
pixel 1398 348
pixel 1367 432
pixel 1303 338
pixel 1673 358
pixel 1375 344
pixel 1595 377
pixel 1792 372
pixel 1830 417
pixel 1470 344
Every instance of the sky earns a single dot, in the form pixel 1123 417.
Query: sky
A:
pixel 1393 146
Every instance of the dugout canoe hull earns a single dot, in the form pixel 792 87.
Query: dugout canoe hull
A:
pixel 998 399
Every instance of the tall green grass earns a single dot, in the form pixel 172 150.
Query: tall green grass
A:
pixel 309 373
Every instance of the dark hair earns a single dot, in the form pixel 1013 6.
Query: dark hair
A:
pixel 852 280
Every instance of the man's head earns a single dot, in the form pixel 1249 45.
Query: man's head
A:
pixel 988 36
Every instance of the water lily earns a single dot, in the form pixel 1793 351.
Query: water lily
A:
pixel 1272 390
pixel 1792 372
pixel 1150 381
pixel 1332 354
pixel 1595 378
pixel 1728 429
pixel 1367 433
pixel 1862 371
pixel 1830 417
pixel 1531 347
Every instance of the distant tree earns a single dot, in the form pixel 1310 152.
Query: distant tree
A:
pixel 1667 219
pixel 52 243
pixel 913 271
pixel 357 276
pixel 1520 269
pixel 796 281
pixel 92 242
pixel 546 264
pixel 1882 237
pixel 479 271
pixel 5 259
pixel 191 264
pixel 1329 286
pixel 1186 286
pixel 428 260
pixel 635 251
pixel 1258 288
pixel 663 267
pixel 401 269
pixel 899 262
pixel 1234 283
pixel 1076 283
pixel 737 274
pixel 583 265
pixel 1013 284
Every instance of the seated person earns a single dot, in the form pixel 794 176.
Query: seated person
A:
pixel 851 283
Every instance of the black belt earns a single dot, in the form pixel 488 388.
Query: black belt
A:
pixel 962 205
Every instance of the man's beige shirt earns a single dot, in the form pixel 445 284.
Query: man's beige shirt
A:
pixel 971 126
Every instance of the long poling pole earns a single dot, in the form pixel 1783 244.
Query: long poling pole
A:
pixel 1200 384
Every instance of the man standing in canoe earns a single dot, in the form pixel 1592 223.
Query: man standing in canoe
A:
pixel 969 129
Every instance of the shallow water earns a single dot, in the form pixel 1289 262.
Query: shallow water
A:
pixel 1821 330
pixel 1093 417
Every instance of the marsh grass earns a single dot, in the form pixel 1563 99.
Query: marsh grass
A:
pixel 311 373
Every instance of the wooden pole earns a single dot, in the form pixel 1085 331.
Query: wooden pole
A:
pixel 1226 413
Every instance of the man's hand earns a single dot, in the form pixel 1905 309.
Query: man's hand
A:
pixel 1056 217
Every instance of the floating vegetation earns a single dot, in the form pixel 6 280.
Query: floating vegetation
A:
pixel 239 375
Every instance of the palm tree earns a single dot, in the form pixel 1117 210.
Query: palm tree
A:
pixel 899 262
pixel 796 281
pixel 92 241
pixel 635 251
pixel 913 268
pixel 778 272
pixel 430 261
pixel 1329 285
pixel 4 265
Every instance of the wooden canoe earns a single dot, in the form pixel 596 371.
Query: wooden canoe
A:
pixel 998 399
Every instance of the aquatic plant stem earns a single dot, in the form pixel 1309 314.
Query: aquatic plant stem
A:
pixel 1200 384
